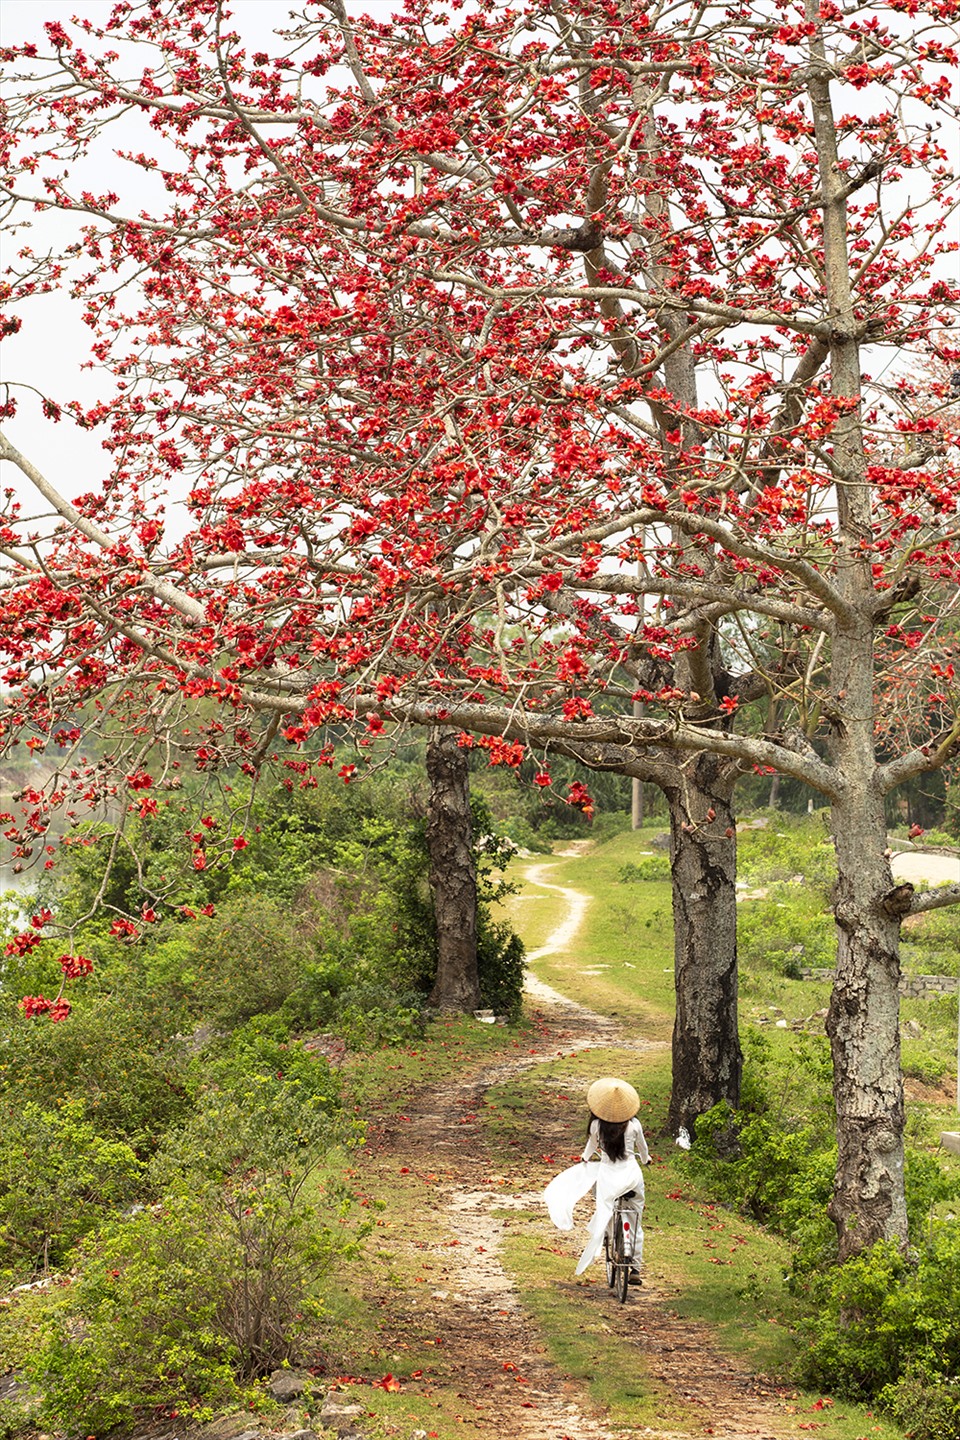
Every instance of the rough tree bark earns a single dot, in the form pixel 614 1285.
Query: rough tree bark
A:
pixel 453 878
pixel 863 1024
pixel 868 1202
pixel 707 1059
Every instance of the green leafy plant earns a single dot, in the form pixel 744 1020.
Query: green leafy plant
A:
pixel 220 1280
pixel 118 1055
pixel 648 867
pixel 888 1324
pixel 926 1405
pixel 139 1327
pixel 58 1179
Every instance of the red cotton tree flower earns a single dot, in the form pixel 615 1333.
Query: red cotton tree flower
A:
pixel 518 366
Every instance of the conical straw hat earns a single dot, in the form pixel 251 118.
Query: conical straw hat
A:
pixel 613 1099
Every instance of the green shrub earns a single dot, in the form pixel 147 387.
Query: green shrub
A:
pixel 500 962
pixel 139 1326
pixel 786 930
pixel 219 1282
pixel 116 1054
pixel 58 1179
pixel 371 1015
pixel 290 1080
pixel 244 960
pixel 520 833
pixel 778 1176
pixel 797 847
pixel 648 867
pixel 926 1406
pixel 855 1329
pixel 920 1063
pixel 887 1324
pixel 608 823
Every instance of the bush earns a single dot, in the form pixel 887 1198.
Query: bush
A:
pixel 780 1177
pixel 243 961
pixel 931 942
pixel 58 1179
pixel 919 1063
pixel 926 1406
pixel 785 931
pixel 775 1158
pixel 185 1301
pixel 799 847
pixel 500 961
pixel 854 1334
pixel 887 1324
pixel 521 834
pixel 115 1054
pixel 371 1015
pixel 649 867
pixel 139 1326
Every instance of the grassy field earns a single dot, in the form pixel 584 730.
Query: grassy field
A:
pixel 621 962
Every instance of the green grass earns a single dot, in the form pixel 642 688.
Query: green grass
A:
pixel 379 1082
pixel 621 962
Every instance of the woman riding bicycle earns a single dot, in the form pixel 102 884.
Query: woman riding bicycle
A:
pixel 617 1134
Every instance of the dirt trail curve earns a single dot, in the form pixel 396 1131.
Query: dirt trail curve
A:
pixel 511 1390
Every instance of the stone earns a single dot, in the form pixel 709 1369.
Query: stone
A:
pixel 287 1385
pixel 230 1427
pixel 950 1140
pixel 336 1411
pixel 14 1389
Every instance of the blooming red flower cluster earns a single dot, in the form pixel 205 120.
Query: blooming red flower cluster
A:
pixel 55 1010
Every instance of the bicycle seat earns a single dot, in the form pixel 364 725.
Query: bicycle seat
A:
pixel 627 1195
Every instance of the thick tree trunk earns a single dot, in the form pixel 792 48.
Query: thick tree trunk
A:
pixel 453 879
pixel 863 1022
pixel 707 1060
pixel 864 1028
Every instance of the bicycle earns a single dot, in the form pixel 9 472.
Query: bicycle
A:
pixel 618 1262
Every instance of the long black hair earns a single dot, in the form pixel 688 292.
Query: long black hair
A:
pixel 612 1133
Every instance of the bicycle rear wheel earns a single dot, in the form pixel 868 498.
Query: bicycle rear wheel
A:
pixel 622 1262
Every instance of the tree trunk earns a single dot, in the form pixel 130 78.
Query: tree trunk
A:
pixel 707 1060
pixel 864 1028
pixel 637 805
pixel 863 1021
pixel 453 878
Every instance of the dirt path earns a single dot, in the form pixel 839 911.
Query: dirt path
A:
pixel 508 1385
pixel 925 868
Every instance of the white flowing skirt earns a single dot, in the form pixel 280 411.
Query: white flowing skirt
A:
pixel 612 1178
